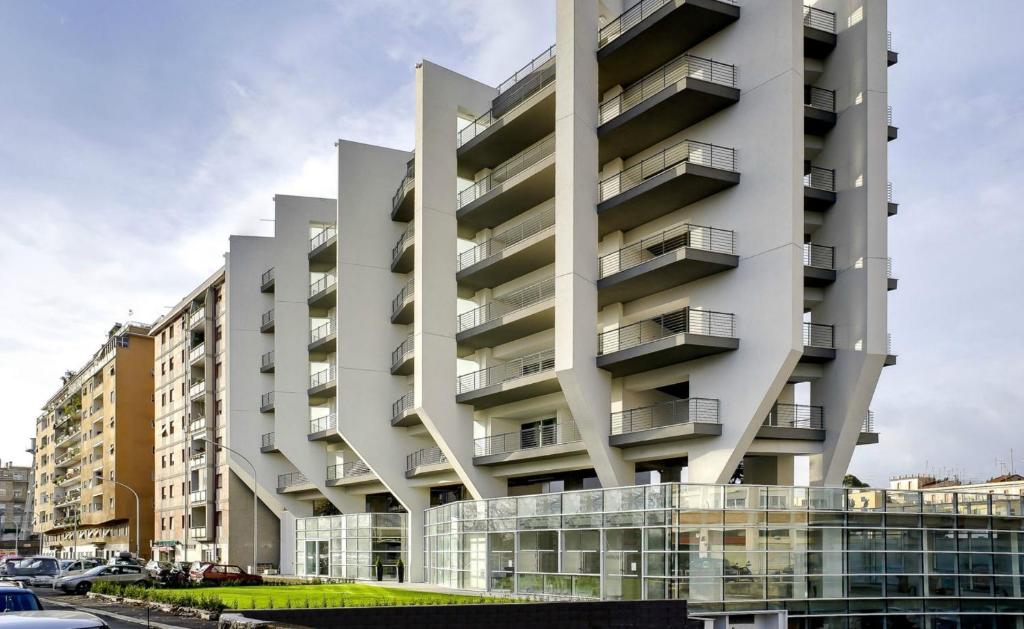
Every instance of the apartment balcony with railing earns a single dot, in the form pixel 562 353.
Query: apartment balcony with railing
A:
pixel 507 317
pixel 819 110
pixel 323 338
pixel 323 246
pixel 197 389
pixel 267 321
pixel 197 497
pixel 197 425
pixel 322 384
pixel 522 181
pixel 528 444
pixel 509 381
pixel 893 207
pixel 890 356
pixel 267 402
pixel 794 421
pixel 402 304
pixel 323 292
pixel 819 32
pixel 350 473
pixel 197 461
pixel 673 97
pixel 868 430
pixel 267 281
pixel 324 427
pixel 819 265
pixel 267 443
pixel 267 362
pixel 403 411
pixel 197 532
pixel 293 482
pixel 72 496
pixel 891 281
pixel 71 432
pixel 891 56
pixel 197 316
pixel 70 456
pixel 404 250
pixel 819 343
pixel 819 188
pixel 671 178
pixel 405 195
pixel 402 357
pixel 426 461
pixel 197 354
pixel 667 339
pixel 669 258
pixel 891 132
pixel 510 253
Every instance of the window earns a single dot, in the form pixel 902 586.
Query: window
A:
pixel 182 521
pixel 111 503
pixel 111 396
pixel 182 389
pixel 170 396
pixel 170 363
pixel 170 459
pixel 163 461
pixel 170 491
pixel 163 524
pixel 163 337
pixel 163 368
pixel 217 518
pixel 163 494
pixel 170 332
pixel 218 481
pixel 163 399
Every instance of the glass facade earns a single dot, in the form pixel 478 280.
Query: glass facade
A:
pixel 348 546
pixel 831 556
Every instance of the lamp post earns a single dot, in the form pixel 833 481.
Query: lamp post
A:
pixel 138 538
pixel 255 498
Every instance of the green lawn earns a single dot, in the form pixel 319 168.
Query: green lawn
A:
pixel 335 595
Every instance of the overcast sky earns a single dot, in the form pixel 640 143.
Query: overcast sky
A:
pixel 135 137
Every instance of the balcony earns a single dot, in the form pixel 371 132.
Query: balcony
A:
pixel 892 208
pixel 521 114
pixel 819 110
pixel 891 282
pixel 403 411
pixel 794 421
pixel 819 343
pixel 521 182
pixel 197 317
pixel 677 95
pixel 819 189
pixel 322 292
pixel 890 357
pixel 197 390
pixel 819 32
pixel 72 455
pixel 197 425
pixel 513 252
pixel 71 432
pixel 323 246
pixel 267 281
pixel 351 473
pixel 671 258
pixel 517 379
pixel 402 357
pixel 403 201
pixel 819 265
pixel 667 339
pixel 402 304
pixel 653 31
pixel 197 354
pixel 197 461
pixel 508 317
pixel 293 482
pixel 672 178
pixel 267 444
pixel 197 496
pixel 71 497
pixel 891 56
pixel 198 533
pixel 267 321
pixel 324 428
pixel 267 362
pixel 531 444
pixel 426 461
pixel 404 250
pixel 322 384
pixel 891 132
pixel 323 339
pixel 267 402
pixel 868 432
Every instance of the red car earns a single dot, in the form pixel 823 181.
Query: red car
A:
pixel 223 574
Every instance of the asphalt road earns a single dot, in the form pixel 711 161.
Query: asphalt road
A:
pixel 118 616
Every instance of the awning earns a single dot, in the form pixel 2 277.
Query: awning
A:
pixel 157 543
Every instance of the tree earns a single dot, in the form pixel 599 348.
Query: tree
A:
pixel 852 481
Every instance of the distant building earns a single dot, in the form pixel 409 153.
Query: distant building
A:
pixel 15 507
pixel 1006 484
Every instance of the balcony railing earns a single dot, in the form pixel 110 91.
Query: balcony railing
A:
pixel 267 360
pixel 683 66
pixel 529 438
pixel 796 416
pixel 505 372
pixel 196 352
pixel 197 388
pixel 820 98
pixel 536 83
pixel 322 236
pixel 404 349
pixel 818 335
pixel 406 236
pixel 196 316
pixel 196 461
pixel 197 532
pixel 67 435
pixel 508 169
pixel 687 151
pixel 267 277
pixel 693 236
pixel 510 302
pixel 821 179
pixel 321 331
pixel 504 239
pixel 196 496
pixel 321 377
pixel 72 454
pixel 406 293
pixel 197 425
pixel 685 321
pixel 320 424
pixel 869 422
pixel 267 400
pixel 888 268
pixel 819 19
pixel 403 404
pixel 888 344
pixel 627 20
pixel 70 497
pixel 408 181
pixel 888 42
pixel 888 115
pixel 267 318
pixel 425 456
pixel 293 479
pixel 267 440
pixel 348 470
pixel 321 285
pixel 819 256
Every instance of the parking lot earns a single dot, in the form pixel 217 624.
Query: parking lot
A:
pixel 118 616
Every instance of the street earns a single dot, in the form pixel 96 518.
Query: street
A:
pixel 116 615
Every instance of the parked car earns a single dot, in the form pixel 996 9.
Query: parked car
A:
pixel 82 583
pixel 26 569
pixel 125 559
pixel 51 620
pixel 168 572
pixel 17 599
pixel 8 562
pixel 223 574
pixel 68 567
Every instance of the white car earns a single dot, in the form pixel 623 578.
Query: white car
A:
pixel 51 620
pixel 68 568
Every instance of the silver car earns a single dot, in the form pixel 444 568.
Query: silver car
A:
pixel 82 583
pixel 51 620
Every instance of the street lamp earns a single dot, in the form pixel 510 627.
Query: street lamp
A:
pixel 255 503
pixel 138 539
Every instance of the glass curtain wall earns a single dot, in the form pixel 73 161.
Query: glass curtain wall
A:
pixel 348 546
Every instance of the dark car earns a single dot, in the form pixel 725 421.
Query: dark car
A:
pixel 168 572
pixel 16 599
pixel 9 562
pixel 223 574
pixel 27 569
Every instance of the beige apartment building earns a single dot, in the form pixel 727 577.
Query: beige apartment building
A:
pixel 92 445
pixel 16 508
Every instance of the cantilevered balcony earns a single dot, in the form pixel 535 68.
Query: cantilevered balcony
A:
pixel 322 384
pixel 510 253
pixel 402 202
pixel 653 31
pixel 403 251
pixel 530 444
pixel 667 339
pixel 819 110
pixel 267 444
pixel 508 317
pixel 402 357
pixel 794 421
pixel 891 281
pixel 324 428
pixel 197 354
pixel 403 411
pixel 323 339
pixel 267 402
pixel 891 56
pixel 819 265
pixel 293 482
pixel 267 281
pixel 197 390
pixel 323 292
pixel 868 431
pixel 267 362
pixel 819 32
pixel 819 188
pixel 674 177
pixel 267 321
pixel 197 317
pixel 323 246
pixel 677 95
pixel 351 473
pixel 426 461
pixel 891 132
pixel 197 461
pixel 819 343
pixel 522 113
pixel 673 420
pixel 197 427
pixel 521 182
pixel 893 208
pixel 402 304
pixel 670 258
pixel 511 381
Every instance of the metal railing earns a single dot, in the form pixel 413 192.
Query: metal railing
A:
pixel 683 66
pixel 526 439
pixel 267 277
pixel 267 360
pixel 687 151
pixel 531 83
pixel 628 19
pixel 821 179
pixel 796 416
pixel 888 191
pixel 888 269
pixel 198 495
pixel 494 245
pixel 507 303
pixel 267 399
pixel 424 456
pixel 267 318
pixel 61 438
pixel 408 181
pixel 267 440
pixel 819 256
pixel 322 236
pixel 406 293
pixel 321 331
pixel 348 470
pixel 197 314
pixel 686 235
pixel 888 115
pixel 197 424
pixel 818 335
pixel 888 41
pixel 820 98
pixel 888 344
pixel 528 365
pixel 869 422
pixel 197 460
pixel 321 285
pixel 407 235
pixel 404 349
pixel 508 169
pixel 402 404
pixel 320 424
pixel 819 19
pixel 321 377
pixel 292 479
pixel 685 321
